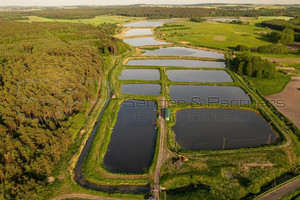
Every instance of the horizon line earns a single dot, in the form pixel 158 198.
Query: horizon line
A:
pixel 114 5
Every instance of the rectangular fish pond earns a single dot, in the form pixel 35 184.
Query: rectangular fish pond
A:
pixel 138 32
pixel 178 63
pixel 141 89
pixel 199 76
pixel 140 74
pixel 144 41
pixel 207 128
pixel 207 94
pixel 132 143
pixel 183 51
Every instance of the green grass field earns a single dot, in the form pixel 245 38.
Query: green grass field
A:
pixel 275 17
pixel 94 21
pixel 270 86
pixel 216 35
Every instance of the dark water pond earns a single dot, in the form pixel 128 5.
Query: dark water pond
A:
pixel 197 129
pixel 221 19
pixel 183 51
pixel 132 144
pixel 144 41
pixel 198 94
pixel 141 89
pixel 198 76
pixel 178 63
pixel 82 181
pixel 140 74
pixel 148 23
pixel 138 31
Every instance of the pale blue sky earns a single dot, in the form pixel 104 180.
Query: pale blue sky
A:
pixel 126 2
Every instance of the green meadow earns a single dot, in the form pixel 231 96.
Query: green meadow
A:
pixel 218 35
pixel 270 86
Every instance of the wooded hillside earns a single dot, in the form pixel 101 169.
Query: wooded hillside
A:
pixel 49 73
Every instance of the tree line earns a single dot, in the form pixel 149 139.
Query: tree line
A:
pixel 153 12
pixel 253 66
pixel 282 26
pixel 273 49
pixel 49 75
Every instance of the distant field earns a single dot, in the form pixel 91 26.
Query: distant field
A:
pixel 94 21
pixel 275 17
pixel 218 35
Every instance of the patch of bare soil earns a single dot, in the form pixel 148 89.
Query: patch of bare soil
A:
pixel 284 60
pixel 219 38
pixel 288 100
pixel 294 46
pixel 184 42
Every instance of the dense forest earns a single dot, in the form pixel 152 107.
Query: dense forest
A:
pixel 150 12
pixel 49 73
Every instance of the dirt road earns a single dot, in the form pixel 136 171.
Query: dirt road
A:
pixel 160 159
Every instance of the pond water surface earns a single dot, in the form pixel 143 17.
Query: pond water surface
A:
pixel 138 31
pixel 198 76
pixel 221 19
pixel 206 94
pixel 197 129
pixel 144 41
pixel 132 143
pixel 140 74
pixel 178 63
pixel 141 89
pixel 183 51
pixel 148 23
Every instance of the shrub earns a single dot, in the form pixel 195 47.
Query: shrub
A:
pixel 276 49
pixel 284 37
pixel 242 47
pixel 196 19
